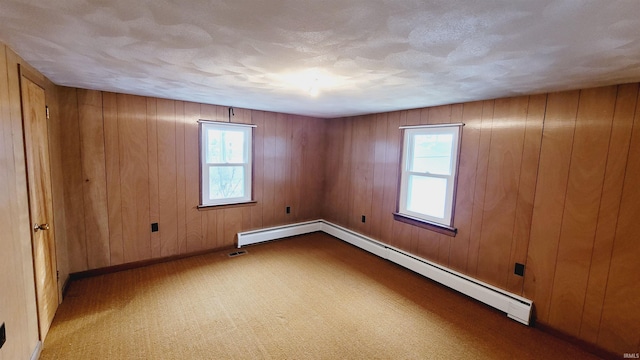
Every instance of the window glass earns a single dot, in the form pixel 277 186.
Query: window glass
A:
pixel 427 195
pixel 225 146
pixel 432 154
pixel 226 182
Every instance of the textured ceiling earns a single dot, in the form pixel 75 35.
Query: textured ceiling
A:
pixel 362 56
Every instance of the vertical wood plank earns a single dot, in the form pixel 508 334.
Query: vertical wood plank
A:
pixel 192 177
pixel 289 158
pixel 582 201
pixel 296 170
pixel 223 223
pixel 360 138
pixel 480 186
pixel 134 177
pixel 345 182
pixel 609 210
pixel 392 166
pixel 213 228
pixel 96 217
pixel 472 118
pixel 71 153
pixel 280 181
pixel 553 171
pixel 114 194
pixel 167 177
pixel 526 189
pixel 379 167
pixel 268 170
pixel 361 175
pixel 232 226
pixel 501 194
pixel 181 185
pixel 154 180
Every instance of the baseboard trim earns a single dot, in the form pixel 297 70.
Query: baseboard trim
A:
pixel 137 264
pixel 516 307
pixel 35 355
pixel 594 349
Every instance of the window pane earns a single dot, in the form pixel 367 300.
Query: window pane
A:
pixel 427 195
pixel 234 146
pixel 225 146
pixel 432 154
pixel 214 146
pixel 226 182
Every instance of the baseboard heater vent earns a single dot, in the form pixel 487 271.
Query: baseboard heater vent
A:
pixel 278 232
pixel 516 307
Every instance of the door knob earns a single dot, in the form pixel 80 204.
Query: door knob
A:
pixel 37 227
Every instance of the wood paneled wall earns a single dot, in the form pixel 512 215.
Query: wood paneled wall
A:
pixel 582 260
pixel 130 161
pixel 549 181
pixel 17 288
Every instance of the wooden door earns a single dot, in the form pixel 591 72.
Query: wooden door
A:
pixel 40 202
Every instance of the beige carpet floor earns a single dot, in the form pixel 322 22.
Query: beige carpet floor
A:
pixel 308 297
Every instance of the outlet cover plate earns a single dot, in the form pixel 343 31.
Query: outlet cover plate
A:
pixel 519 269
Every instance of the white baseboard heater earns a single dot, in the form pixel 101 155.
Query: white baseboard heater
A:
pixel 516 307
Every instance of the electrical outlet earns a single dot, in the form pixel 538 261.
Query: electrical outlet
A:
pixel 3 335
pixel 154 227
pixel 288 209
pixel 364 218
pixel 519 269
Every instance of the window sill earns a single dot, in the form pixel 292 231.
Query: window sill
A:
pixel 442 229
pixel 225 206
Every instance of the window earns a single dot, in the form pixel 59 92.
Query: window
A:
pixel 225 163
pixel 428 174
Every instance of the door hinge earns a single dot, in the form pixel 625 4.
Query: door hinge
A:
pixel 58 275
pixel 47 111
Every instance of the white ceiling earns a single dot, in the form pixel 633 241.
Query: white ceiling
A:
pixel 364 56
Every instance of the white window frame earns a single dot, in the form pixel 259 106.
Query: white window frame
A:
pixel 410 133
pixel 247 163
